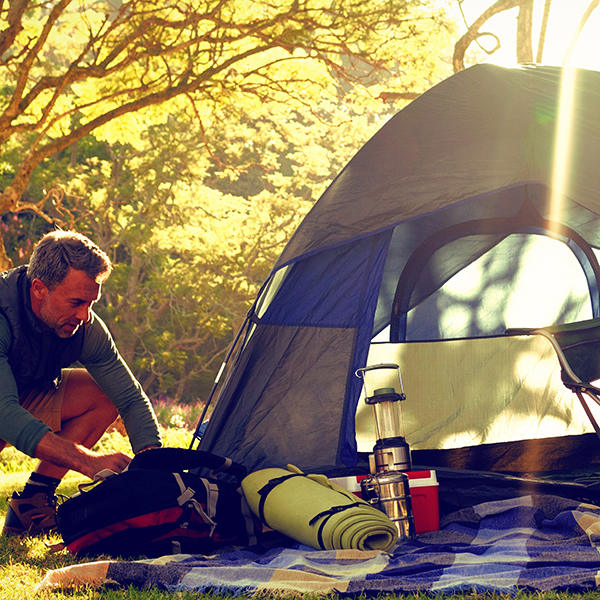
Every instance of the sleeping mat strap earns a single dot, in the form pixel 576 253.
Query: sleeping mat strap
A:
pixel 328 514
pixel 267 489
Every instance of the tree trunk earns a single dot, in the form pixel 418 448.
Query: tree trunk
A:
pixel 5 262
pixel 542 38
pixel 525 33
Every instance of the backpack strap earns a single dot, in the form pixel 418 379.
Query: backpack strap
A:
pixel 248 519
pixel 212 495
pixel 183 459
pixel 187 498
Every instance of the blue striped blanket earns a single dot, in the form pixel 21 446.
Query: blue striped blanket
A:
pixel 530 543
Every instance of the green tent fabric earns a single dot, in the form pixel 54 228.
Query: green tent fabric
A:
pixel 316 512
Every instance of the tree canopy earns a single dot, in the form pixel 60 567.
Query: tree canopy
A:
pixel 69 68
pixel 188 139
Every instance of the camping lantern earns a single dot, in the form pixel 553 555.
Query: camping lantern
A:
pixel 384 391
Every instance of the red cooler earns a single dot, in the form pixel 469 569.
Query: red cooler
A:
pixel 424 499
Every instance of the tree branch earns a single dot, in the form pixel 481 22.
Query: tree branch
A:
pixel 524 32
pixel 460 48
pixel 543 28
pixel 584 19
pixel 13 110
pixel 16 10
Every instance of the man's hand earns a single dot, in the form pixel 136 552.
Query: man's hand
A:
pixel 116 462
pixel 64 453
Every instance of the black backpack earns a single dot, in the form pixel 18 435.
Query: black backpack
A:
pixel 160 506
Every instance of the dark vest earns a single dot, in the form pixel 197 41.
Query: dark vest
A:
pixel 36 356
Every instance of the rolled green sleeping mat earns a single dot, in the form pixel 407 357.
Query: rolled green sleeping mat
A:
pixel 315 512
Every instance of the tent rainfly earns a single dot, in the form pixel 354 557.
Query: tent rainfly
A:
pixel 474 209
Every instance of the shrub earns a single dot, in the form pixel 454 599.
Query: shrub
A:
pixel 170 413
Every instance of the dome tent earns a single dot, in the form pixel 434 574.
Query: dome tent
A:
pixel 466 169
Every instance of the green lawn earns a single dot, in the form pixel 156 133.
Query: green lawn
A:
pixel 24 562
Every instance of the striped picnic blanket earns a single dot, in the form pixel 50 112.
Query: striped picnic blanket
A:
pixel 529 543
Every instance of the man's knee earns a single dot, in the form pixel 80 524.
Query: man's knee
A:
pixel 106 409
pixel 83 395
pixel 103 408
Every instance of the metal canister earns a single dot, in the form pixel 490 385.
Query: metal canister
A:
pixel 390 493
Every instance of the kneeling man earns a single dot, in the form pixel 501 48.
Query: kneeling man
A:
pixel 47 410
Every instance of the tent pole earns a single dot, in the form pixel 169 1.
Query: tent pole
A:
pixel 196 436
pixel 250 317
pixel 588 412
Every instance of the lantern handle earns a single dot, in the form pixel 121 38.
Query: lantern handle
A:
pixel 359 372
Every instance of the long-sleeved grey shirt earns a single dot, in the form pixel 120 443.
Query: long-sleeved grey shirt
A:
pixel 104 363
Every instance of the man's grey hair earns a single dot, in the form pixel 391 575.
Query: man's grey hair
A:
pixel 59 251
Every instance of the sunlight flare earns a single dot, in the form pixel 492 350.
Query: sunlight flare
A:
pixel 562 145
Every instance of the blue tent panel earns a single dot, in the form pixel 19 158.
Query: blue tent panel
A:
pixel 285 396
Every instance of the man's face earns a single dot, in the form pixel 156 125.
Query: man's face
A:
pixel 65 308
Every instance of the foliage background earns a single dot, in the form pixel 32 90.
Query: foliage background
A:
pixel 194 197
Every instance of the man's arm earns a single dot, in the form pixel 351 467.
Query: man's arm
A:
pixel 17 426
pixel 104 363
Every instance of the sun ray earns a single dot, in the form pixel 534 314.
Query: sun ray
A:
pixel 562 146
